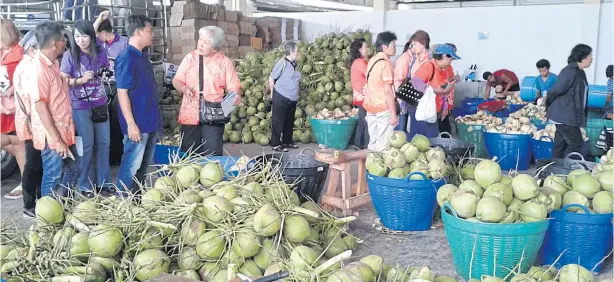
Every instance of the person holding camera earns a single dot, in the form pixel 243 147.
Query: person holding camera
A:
pixel 85 64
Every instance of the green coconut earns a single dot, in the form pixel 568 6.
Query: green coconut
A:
pixel 188 259
pixel 246 244
pixel 187 176
pixel 191 230
pixel 296 229
pixel 216 208
pixel 267 220
pixel 210 245
pixel 48 211
pixel 151 263
pixel 105 241
pixel 212 173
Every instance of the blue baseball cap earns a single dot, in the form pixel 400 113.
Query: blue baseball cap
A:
pixel 447 50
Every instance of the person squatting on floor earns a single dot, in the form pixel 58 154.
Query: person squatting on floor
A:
pixel 284 85
pixel 203 76
pixel 11 53
pixel 380 101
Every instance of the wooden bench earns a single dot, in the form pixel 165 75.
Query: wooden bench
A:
pixel 351 195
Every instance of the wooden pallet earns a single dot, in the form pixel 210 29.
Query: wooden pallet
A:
pixel 350 196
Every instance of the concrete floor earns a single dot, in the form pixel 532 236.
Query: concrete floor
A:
pixel 410 248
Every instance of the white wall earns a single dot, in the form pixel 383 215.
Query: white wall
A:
pixel 519 35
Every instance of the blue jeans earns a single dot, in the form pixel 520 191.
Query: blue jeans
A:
pixel 53 166
pixel 138 156
pixel 94 164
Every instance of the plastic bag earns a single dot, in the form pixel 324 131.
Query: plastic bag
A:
pixel 427 109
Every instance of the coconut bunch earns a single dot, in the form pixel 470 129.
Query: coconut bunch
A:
pixel 190 222
pixel 480 118
pixel 337 114
pixel 550 131
pixel 514 99
pixel 325 83
pixel 402 158
pixel 513 125
pixel 531 111
pixel 372 268
pixel 567 273
pixel 489 196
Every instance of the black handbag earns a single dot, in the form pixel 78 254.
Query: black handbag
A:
pixel 209 112
pixel 407 92
pixel 396 103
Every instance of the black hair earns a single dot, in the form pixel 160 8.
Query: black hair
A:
pixel 486 75
pixel 384 38
pixel 543 63
pixel 105 26
pixel 48 32
pixel 84 27
pixel 608 71
pixel 136 22
pixel 407 45
pixel 453 46
pixel 355 50
pixel 579 53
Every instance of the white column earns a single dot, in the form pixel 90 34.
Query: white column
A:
pixel 591 18
pixel 381 5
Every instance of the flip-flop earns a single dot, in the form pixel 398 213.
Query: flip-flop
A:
pixel 15 194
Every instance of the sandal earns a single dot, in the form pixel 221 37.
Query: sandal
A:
pixel 291 146
pixel 280 148
pixel 15 194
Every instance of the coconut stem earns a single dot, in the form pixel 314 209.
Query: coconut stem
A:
pixel 77 223
pixel 305 212
pixel 345 220
pixel 327 264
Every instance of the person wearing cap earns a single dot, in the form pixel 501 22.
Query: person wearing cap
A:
pixel 436 74
pixel 504 77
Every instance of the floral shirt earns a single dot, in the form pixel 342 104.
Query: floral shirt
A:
pixel 52 88
pixel 219 74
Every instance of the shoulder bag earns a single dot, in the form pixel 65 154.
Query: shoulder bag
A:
pixel 407 92
pixel 209 112
pixel 396 103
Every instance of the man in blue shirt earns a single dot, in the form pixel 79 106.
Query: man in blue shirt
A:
pixel 545 80
pixel 139 114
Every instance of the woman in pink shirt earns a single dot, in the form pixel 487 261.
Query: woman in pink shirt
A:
pixel 358 71
pixel 210 83
pixel 415 54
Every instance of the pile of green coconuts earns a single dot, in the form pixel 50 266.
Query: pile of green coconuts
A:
pixel 325 84
pixel 401 158
pixel 486 195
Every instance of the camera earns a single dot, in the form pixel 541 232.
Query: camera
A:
pixel 104 72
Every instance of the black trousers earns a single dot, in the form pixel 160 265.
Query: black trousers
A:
pixel 445 125
pixel 361 134
pixel 282 120
pixel 32 176
pixel 567 139
pixel 208 136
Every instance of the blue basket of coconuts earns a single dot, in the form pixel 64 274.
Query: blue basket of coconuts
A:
pixel 512 150
pixel 405 204
pixel 577 235
pixel 480 248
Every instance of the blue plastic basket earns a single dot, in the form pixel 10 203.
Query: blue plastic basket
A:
pixel 470 105
pixel 480 248
pixel 542 148
pixel 404 204
pixel 514 108
pixel 584 239
pixel 510 149
pixel 162 153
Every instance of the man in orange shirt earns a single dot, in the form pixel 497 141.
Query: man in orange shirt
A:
pixel 53 131
pixel 380 99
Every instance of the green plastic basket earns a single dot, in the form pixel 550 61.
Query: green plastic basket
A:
pixel 594 126
pixel 473 136
pixel 334 134
pixel 491 248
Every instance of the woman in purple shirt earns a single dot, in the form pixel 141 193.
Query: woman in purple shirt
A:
pixel 84 66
